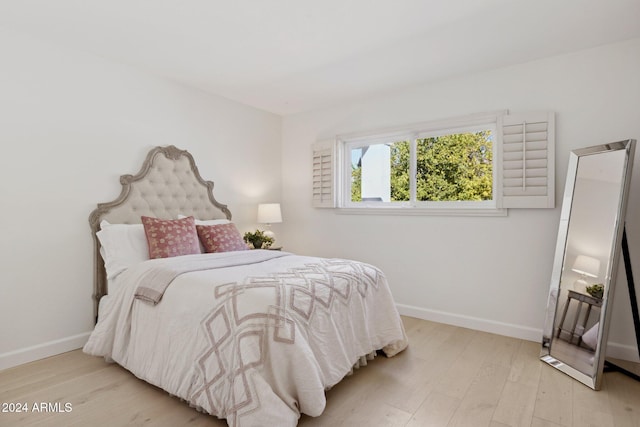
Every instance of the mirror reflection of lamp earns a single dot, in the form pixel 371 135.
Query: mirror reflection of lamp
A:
pixel 586 266
pixel 269 213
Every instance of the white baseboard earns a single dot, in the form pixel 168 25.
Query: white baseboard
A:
pixel 618 351
pixel 623 352
pixel 51 348
pixel 475 323
pixel 40 351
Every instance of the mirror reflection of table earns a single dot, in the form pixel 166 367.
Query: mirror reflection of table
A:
pixel 581 299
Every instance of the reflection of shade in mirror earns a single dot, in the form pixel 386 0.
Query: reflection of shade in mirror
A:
pixel 585 266
pixel 587 251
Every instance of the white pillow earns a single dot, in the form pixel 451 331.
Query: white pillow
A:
pixel 124 245
pixel 207 221
pixel 590 337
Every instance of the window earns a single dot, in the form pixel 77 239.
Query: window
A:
pixel 475 165
pixel 423 169
pixel 379 171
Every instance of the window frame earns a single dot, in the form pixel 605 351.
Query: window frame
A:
pixel 345 147
pixel 412 133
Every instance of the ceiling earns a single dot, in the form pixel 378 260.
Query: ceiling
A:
pixel 289 56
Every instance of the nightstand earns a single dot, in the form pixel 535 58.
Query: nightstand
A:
pixel 581 299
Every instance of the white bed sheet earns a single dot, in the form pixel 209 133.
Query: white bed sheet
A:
pixel 263 350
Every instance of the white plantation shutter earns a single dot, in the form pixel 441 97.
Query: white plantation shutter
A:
pixel 527 162
pixel 324 174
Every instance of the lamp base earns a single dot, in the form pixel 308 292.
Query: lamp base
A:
pixel 269 233
pixel 580 285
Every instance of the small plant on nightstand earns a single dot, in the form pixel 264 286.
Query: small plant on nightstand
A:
pixel 596 291
pixel 258 239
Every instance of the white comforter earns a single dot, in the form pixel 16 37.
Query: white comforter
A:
pixel 257 343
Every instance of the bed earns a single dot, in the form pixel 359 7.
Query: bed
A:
pixel 251 336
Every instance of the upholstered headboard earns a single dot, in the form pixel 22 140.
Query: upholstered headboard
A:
pixel 167 185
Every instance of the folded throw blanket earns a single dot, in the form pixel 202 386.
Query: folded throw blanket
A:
pixel 155 281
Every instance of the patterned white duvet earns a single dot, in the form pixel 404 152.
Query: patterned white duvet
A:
pixel 256 343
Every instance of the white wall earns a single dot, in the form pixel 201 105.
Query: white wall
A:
pixel 485 273
pixel 70 125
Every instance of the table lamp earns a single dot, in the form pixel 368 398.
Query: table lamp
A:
pixel 586 266
pixel 269 213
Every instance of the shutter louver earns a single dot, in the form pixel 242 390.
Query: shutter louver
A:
pixel 528 164
pixel 323 173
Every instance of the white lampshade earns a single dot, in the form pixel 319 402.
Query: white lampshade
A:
pixel 269 213
pixel 587 266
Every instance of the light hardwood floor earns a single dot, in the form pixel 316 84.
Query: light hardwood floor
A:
pixel 448 376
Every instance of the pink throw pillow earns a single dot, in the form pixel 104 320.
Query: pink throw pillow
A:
pixel 171 237
pixel 221 238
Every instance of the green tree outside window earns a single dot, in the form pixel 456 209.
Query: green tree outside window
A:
pixel 456 167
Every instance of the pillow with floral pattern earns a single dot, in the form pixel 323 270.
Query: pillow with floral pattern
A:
pixel 171 237
pixel 221 238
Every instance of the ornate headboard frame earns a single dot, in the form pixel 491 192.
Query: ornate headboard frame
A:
pixel 167 185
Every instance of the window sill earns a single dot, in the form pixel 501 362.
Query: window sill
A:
pixel 422 211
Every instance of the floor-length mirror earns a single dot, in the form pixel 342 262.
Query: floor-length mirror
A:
pixel 586 260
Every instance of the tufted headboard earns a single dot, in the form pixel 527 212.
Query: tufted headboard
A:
pixel 167 185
